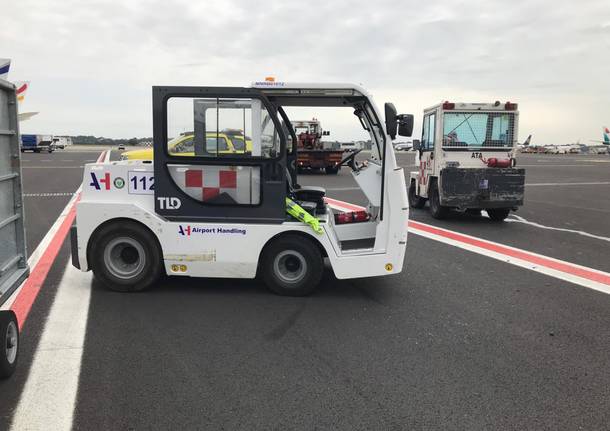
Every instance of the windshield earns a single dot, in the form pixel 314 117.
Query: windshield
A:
pixel 478 129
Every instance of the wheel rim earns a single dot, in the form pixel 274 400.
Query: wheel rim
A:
pixel 290 266
pixel 12 341
pixel 124 257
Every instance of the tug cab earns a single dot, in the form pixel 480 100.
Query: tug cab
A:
pixel 466 160
pixel 209 213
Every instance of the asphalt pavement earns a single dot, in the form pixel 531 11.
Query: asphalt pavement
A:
pixel 456 341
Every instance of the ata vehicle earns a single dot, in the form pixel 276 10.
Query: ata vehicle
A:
pixel 37 143
pixel 466 160
pixel 229 142
pixel 215 214
pixel 13 255
pixel 311 153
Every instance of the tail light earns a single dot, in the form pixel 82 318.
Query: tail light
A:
pixel 448 105
pixel 510 106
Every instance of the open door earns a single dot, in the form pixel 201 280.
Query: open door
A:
pixel 220 155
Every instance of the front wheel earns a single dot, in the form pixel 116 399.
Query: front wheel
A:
pixel 125 257
pixel 415 201
pixel 9 343
pixel 291 266
pixel 437 210
pixel 498 214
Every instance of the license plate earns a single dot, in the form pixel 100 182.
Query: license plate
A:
pixel 484 184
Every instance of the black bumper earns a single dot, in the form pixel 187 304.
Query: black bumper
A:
pixel 482 188
pixel 74 247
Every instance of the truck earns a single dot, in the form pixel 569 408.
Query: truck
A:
pixel 13 254
pixel 311 152
pixel 213 214
pixel 466 160
pixel 61 142
pixel 37 143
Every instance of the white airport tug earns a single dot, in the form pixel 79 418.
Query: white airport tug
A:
pixel 466 160
pixel 197 210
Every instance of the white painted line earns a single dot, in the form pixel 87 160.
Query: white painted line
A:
pixel 107 157
pixel 598 183
pixel 52 167
pixel 562 275
pixel 48 399
pixel 42 246
pixel 50 194
pixel 567 271
pixel 553 166
pixel 518 219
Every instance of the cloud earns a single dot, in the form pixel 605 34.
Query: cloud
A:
pixel 91 65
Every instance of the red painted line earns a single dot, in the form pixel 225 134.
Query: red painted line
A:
pixel 345 205
pixel 519 254
pixel 27 295
pixel 31 287
pixel 564 267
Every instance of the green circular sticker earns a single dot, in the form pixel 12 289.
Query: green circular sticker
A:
pixel 119 182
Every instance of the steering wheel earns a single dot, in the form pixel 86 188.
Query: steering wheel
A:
pixel 350 161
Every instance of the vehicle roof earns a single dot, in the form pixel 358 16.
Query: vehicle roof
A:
pixel 471 106
pixel 277 86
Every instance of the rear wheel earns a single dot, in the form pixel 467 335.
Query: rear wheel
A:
pixel 498 214
pixel 9 343
pixel 437 210
pixel 415 201
pixel 292 266
pixel 125 257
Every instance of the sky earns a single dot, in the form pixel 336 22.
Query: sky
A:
pixel 91 65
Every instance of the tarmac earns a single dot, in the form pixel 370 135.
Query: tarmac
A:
pixel 458 340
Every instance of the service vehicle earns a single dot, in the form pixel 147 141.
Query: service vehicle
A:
pixel 37 143
pixel 211 214
pixel 311 152
pixel 61 142
pixel 226 142
pixel 13 256
pixel 466 160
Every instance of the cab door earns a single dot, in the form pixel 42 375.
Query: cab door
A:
pixel 426 154
pixel 205 182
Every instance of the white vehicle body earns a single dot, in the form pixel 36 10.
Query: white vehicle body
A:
pixel 225 247
pixel 62 141
pixel 471 165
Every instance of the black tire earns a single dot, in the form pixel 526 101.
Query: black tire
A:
pixel 291 257
pixel 9 343
pixel 498 214
pixel 331 171
pixel 437 210
pixel 414 200
pixel 125 257
pixel 473 211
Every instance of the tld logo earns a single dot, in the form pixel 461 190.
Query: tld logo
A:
pixel 184 230
pixel 169 203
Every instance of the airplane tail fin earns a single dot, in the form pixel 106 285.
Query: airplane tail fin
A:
pixel 527 141
pixel 606 136
pixel 22 88
pixel 5 65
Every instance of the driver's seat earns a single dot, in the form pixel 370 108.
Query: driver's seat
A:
pixel 306 194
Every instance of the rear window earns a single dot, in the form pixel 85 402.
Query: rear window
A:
pixel 478 129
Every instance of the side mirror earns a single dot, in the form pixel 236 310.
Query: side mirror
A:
pixel 416 145
pixel 405 124
pixel 391 120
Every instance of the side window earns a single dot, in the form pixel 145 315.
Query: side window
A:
pixel 221 128
pixel 425 133
pixel 431 131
